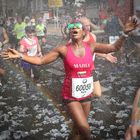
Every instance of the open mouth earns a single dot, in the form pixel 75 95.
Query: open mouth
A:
pixel 75 32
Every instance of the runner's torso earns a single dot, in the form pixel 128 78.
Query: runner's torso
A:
pixel 30 45
pixel 40 30
pixel 20 30
pixel 76 68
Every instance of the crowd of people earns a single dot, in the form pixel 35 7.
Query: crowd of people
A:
pixel 81 82
pixel 26 35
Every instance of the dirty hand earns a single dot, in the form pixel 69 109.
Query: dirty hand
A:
pixel 10 53
pixel 130 25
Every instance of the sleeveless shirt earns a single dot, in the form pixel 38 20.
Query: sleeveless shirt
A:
pixel 76 67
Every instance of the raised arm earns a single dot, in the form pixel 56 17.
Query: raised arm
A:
pixel 107 48
pixel 47 58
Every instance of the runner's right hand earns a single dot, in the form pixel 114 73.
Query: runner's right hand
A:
pixel 10 54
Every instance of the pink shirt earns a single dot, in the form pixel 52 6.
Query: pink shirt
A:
pixel 73 67
pixel 30 45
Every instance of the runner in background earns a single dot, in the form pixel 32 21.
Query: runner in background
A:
pixel 4 39
pixel 41 32
pixel 113 27
pixel 19 30
pixel 65 20
pixel 91 38
pixel 102 15
pixel 10 32
pixel 29 45
pixel 27 21
pixel 33 21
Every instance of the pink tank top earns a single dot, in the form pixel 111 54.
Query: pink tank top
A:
pixel 76 67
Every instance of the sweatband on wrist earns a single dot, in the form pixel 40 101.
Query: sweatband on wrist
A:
pixel 124 34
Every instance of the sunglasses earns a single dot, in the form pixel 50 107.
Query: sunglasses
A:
pixel 77 25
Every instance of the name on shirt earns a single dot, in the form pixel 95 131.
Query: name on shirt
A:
pixel 81 65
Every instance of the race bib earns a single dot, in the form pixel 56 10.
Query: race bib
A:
pixel 82 87
pixel 113 39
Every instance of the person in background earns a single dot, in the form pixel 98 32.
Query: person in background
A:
pixel 27 21
pixel 4 39
pixel 64 23
pixel 33 21
pixel 102 15
pixel 78 64
pixel 29 45
pixel 133 130
pixel 113 26
pixel 41 32
pixel 10 32
pixel 91 38
pixel 19 30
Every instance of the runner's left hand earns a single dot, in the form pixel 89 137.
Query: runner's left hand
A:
pixel 130 25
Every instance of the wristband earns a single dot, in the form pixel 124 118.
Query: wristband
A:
pixel 20 56
pixel 136 122
pixel 124 34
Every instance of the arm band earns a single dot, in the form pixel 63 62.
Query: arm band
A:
pixel 124 34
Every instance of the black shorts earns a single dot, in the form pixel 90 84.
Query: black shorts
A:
pixel 95 76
